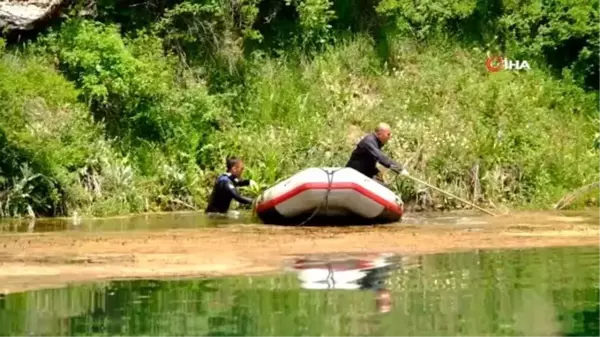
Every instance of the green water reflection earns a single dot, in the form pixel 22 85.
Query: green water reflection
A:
pixel 527 292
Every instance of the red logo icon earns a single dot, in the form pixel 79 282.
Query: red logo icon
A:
pixel 494 64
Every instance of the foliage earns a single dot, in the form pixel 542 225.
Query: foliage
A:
pixel 130 84
pixel 449 117
pixel 314 17
pixel 134 109
pixel 213 30
pixel 425 18
pixel 44 135
pixel 564 32
pixel 130 87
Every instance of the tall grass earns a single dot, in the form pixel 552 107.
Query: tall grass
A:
pixel 531 137
pixel 159 137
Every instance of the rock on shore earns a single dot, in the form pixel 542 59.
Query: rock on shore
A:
pixel 26 14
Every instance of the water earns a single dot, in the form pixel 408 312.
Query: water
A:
pixel 550 291
pixel 127 223
pixel 469 220
pixel 186 220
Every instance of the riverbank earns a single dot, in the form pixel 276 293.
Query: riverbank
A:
pixel 39 260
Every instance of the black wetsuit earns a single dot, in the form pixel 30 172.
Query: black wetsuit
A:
pixel 366 155
pixel 225 190
pixel 375 278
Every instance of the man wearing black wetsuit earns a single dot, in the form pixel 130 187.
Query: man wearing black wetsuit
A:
pixel 368 152
pixel 225 188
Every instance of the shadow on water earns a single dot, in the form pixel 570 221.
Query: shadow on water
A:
pixel 127 223
pixel 550 291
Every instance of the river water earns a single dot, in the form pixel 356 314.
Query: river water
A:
pixel 534 292
pixel 183 220
pixel 198 220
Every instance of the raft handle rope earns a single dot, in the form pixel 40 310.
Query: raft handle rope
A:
pixel 326 198
pixel 330 279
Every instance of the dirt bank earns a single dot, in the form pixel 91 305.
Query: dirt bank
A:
pixel 35 260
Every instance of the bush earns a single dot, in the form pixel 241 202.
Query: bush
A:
pixel 46 135
pixel 448 113
pixel 104 123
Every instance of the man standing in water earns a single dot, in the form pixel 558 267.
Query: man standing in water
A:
pixel 225 188
pixel 368 153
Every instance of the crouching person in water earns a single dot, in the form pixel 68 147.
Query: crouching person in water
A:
pixel 225 188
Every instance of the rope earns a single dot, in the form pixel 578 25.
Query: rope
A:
pixel 330 279
pixel 325 199
pixel 448 193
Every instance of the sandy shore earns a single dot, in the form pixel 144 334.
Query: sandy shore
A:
pixel 37 260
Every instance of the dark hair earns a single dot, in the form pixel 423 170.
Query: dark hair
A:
pixel 231 162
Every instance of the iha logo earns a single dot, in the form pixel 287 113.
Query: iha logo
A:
pixel 497 63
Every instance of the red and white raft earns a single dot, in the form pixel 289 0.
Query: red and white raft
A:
pixel 329 195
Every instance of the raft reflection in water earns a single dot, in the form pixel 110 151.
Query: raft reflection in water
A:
pixel 350 272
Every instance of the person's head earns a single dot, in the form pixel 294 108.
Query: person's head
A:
pixel 383 132
pixel 235 166
pixel 383 300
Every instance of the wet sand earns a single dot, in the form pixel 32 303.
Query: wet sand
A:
pixel 39 260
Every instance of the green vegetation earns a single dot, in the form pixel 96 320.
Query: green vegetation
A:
pixel 131 109
pixel 535 292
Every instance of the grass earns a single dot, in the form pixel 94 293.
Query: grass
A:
pixel 532 138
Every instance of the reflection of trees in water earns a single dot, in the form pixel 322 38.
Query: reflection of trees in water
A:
pixel 513 293
pixel 590 319
pixel 586 322
pixel 136 307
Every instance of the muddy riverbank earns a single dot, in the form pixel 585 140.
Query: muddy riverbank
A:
pixel 36 260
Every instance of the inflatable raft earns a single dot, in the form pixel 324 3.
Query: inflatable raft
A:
pixel 329 195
